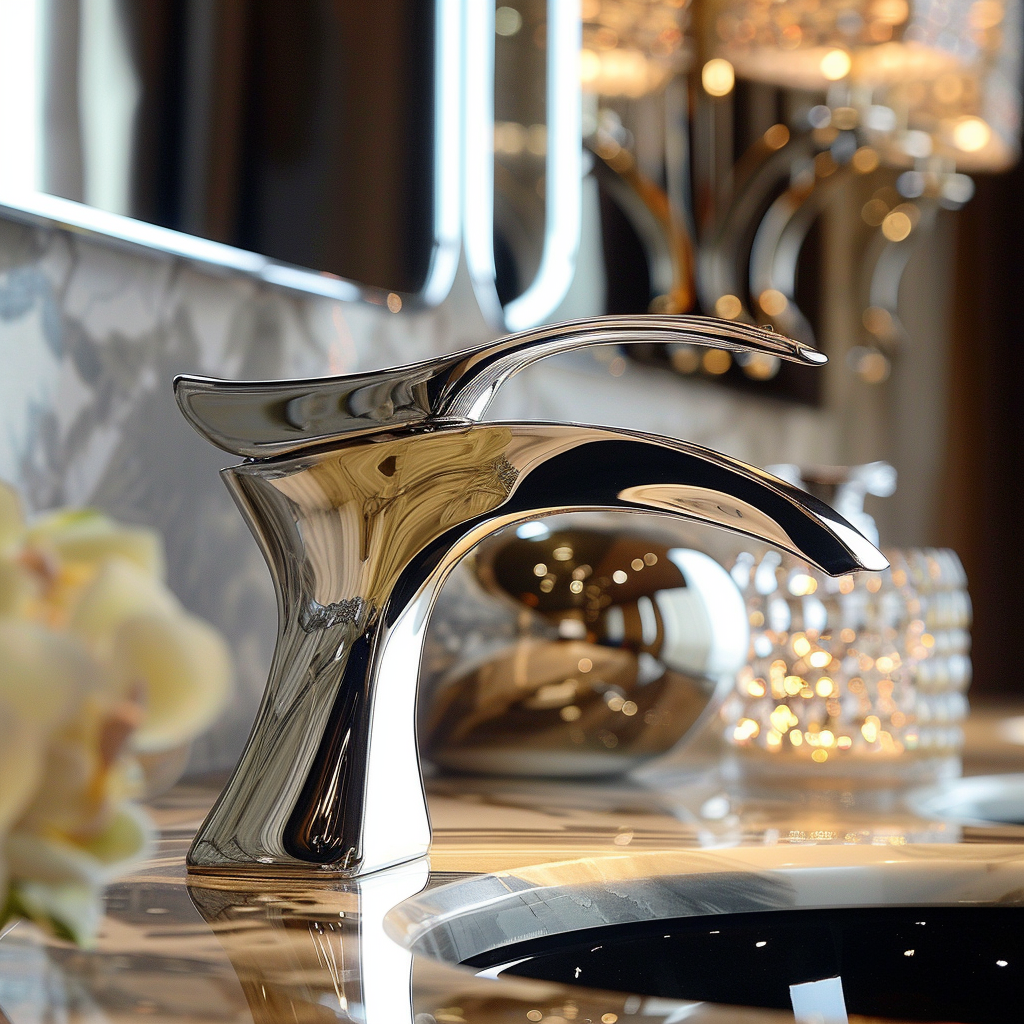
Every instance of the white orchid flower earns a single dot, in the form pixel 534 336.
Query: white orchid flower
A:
pixel 98 659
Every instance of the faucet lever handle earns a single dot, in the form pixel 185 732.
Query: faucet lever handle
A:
pixel 473 381
pixel 261 419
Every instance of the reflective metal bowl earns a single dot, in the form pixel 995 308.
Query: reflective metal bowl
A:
pixel 613 645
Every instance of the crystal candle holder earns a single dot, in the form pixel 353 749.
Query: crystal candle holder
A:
pixel 858 676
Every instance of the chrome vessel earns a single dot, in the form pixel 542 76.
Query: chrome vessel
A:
pixel 363 491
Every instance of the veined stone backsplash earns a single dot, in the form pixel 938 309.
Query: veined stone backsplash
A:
pixel 91 335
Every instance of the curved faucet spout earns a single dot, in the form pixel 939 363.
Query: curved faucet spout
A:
pixel 359 539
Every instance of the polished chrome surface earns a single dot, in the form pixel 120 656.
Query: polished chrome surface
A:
pixel 844 488
pixel 628 640
pixel 359 535
pixel 274 418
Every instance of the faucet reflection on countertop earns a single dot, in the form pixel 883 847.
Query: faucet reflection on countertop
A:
pixel 326 951
pixel 363 492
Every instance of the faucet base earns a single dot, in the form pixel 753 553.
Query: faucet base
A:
pixel 198 873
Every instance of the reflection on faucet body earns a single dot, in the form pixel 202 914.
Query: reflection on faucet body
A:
pixel 376 486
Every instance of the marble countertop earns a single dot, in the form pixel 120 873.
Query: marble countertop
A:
pixel 510 860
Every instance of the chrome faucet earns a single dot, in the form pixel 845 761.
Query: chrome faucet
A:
pixel 363 492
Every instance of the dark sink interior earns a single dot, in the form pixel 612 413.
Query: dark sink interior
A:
pixel 963 964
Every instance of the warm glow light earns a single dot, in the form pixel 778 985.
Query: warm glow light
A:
pixel 509 138
pixel 746 729
pixel 870 365
pixel 835 65
pixel 896 226
pixel 718 77
pixel 801 584
pixel 772 301
pixel 890 12
pixel 986 14
pixel 865 160
pixel 819 659
pixel 619 72
pixel 728 307
pixel 776 137
pixel 879 322
pixel 760 365
pixel 716 361
pixel 590 67
pixel 971 134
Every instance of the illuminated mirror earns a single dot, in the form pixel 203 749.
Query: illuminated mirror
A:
pixel 274 129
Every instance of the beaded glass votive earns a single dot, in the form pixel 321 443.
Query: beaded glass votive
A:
pixel 860 676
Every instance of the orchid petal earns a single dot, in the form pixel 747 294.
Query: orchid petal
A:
pixel 120 591
pixel 43 674
pixel 73 910
pixel 126 840
pixel 22 757
pixel 85 535
pixel 12 518
pixel 184 667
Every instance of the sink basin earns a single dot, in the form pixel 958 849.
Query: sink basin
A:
pixel 914 963
pixel 915 933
